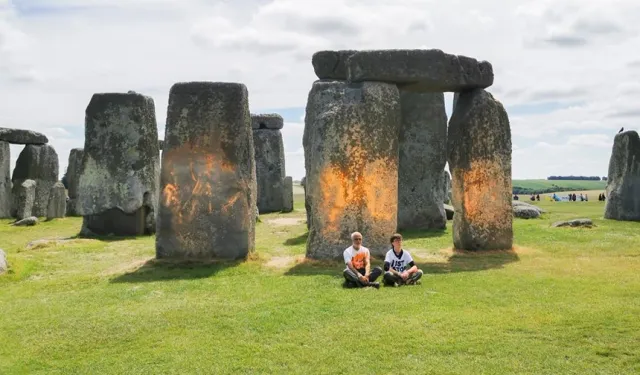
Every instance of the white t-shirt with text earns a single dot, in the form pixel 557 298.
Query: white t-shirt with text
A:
pixel 398 262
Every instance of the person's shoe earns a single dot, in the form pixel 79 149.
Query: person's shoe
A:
pixel 349 284
pixel 375 285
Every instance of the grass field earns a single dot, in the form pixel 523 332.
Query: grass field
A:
pixel 560 185
pixel 565 301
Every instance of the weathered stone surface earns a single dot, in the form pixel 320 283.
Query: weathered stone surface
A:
pixel 5 180
pixel 446 197
pixel 22 137
pixel 270 169
pixel 121 161
pixel 479 147
pixel 73 175
pixel 26 222
pixel 420 70
pixel 116 222
pixel 587 223
pixel 208 174
pixel 57 206
pixel 160 144
pixel 423 155
pixel 351 159
pixel 524 212
pixel 331 64
pixel 267 121
pixel 23 199
pixel 449 211
pixel 4 265
pixel 528 205
pixel 307 205
pixel 623 180
pixel 287 194
pixel 38 163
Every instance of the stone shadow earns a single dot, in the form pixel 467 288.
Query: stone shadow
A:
pixel 459 261
pixel 164 270
pixel 295 241
pixel 417 234
pixel 107 238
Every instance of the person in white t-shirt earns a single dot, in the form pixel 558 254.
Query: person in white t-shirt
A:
pixel 399 267
pixel 358 260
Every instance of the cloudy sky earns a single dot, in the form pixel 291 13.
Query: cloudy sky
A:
pixel 568 71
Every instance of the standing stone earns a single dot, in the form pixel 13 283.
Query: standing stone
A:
pixel 307 206
pixel 331 64
pixel 118 181
pixel 446 198
pixel 479 144
pixel 208 180
pixel 73 175
pixel 423 155
pixel 623 181
pixel 38 163
pixel 22 137
pixel 351 161
pixel 23 199
pixel 270 165
pixel 5 180
pixel 287 194
pixel 57 206
pixel 4 265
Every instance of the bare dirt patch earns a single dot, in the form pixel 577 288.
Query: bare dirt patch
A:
pixel 282 262
pixel 285 221
pixel 130 265
pixel 53 242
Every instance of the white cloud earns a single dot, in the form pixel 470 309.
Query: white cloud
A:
pixel 567 70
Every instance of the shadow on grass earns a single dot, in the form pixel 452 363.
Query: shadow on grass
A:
pixel 418 234
pixel 109 238
pixel 295 241
pixel 458 261
pixel 162 270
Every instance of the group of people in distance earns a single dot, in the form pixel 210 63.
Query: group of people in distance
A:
pixel 399 267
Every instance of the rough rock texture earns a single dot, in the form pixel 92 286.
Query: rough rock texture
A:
pixel 423 155
pixel 270 169
pixel 160 144
pixel 420 70
pixel 446 196
pixel 38 163
pixel 307 205
pixel 449 211
pixel 208 182
pixel 73 175
pixel 524 212
pixel 267 121
pixel 331 64
pixel 57 206
pixel 351 160
pixel 115 221
pixel 528 205
pixel 5 180
pixel 587 223
pixel 26 222
pixel 4 265
pixel 23 199
pixel 623 180
pixel 479 146
pixel 22 137
pixel 287 194
pixel 121 161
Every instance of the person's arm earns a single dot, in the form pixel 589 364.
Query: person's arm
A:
pixel 413 268
pixel 387 267
pixel 367 265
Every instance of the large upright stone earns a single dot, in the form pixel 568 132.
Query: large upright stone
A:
pixel 287 194
pixel 23 199
pixel 118 181
pixel 22 137
pixel 331 64
pixel 351 161
pixel 420 70
pixel 446 193
pixel 623 180
pixel 73 175
pixel 267 121
pixel 208 198
pixel 5 180
pixel 423 155
pixel 38 163
pixel 270 164
pixel 57 206
pixel 479 146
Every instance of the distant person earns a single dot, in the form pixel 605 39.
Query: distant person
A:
pixel 515 198
pixel 574 197
pixel 533 198
pixel 581 197
pixel 358 260
pixel 399 266
pixel 538 197
pixel 586 198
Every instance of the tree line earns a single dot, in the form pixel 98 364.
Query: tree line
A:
pixel 581 178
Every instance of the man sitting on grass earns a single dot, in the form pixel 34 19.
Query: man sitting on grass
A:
pixel 399 266
pixel 358 260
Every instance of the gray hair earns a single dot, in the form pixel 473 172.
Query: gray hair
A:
pixel 354 233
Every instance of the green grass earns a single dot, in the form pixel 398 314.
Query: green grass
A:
pixel 565 301
pixel 549 186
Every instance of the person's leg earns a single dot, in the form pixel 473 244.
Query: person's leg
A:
pixel 375 273
pixel 414 277
pixel 351 277
pixel 391 279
